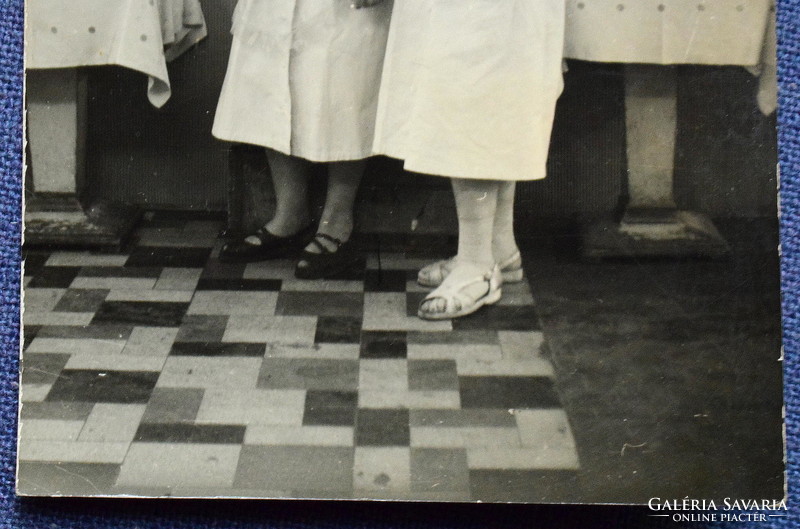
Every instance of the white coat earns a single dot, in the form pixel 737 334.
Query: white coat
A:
pixel 470 86
pixel 303 77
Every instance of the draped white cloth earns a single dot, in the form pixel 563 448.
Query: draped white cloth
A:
pixel 138 34
pixel 303 77
pixel 470 86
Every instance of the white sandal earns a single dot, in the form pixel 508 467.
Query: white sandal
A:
pixel 452 289
pixel 434 274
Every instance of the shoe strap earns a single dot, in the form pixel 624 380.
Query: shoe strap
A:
pixel 329 238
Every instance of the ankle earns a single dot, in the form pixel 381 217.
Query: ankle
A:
pixel 287 225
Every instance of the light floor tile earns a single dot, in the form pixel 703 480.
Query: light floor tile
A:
pixel 34 392
pixel 454 351
pixel 225 302
pixel 329 351
pixel 150 341
pixel 439 437
pixel 119 283
pixel 85 259
pixel 115 362
pixel 85 346
pixel 550 458
pixel 258 328
pixel 108 423
pixel 178 279
pixel 300 285
pixel 409 399
pixel 72 451
pixel 41 299
pixel 252 406
pixel 49 430
pixel 404 323
pixel 209 372
pixel 179 465
pixel 521 345
pixel 258 434
pixel 544 428
pixel 170 296
pixel 383 375
pixel 382 469
pixel 538 367
pixel 79 319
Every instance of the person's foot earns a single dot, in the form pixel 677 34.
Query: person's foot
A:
pixel 330 231
pixel 264 245
pixel 434 274
pixel 331 257
pixel 466 288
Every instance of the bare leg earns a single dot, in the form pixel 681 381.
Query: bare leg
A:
pixel 337 215
pixel 504 245
pixel 290 179
pixel 476 207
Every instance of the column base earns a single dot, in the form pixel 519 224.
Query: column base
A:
pixel 654 233
pixel 60 220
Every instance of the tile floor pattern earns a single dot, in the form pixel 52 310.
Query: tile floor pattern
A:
pixel 161 371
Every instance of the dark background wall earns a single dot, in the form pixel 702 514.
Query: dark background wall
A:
pixel 167 158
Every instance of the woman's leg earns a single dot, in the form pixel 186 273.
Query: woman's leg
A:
pixel 337 215
pixel 476 207
pixel 504 245
pixel 290 180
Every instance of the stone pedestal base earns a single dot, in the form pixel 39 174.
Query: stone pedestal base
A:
pixel 59 219
pixel 654 233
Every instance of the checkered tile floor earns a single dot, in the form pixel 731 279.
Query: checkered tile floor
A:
pixel 164 372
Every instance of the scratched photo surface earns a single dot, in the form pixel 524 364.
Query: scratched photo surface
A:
pixel 633 354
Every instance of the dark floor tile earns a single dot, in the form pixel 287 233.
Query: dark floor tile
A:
pixel 123 387
pixel 385 281
pixel 173 405
pixel 330 304
pixel 99 331
pixel 142 272
pixel 217 270
pixel 42 368
pixel 447 418
pixel 330 408
pixel 59 410
pixel 73 479
pixel 54 277
pixel 141 313
pixel 413 301
pixel 383 344
pixel 202 328
pixel 434 375
pixel 507 392
pixel 190 433
pixel 29 332
pixel 81 300
pixel 431 246
pixel 525 486
pixel 439 469
pixel 287 468
pixel 217 349
pixel 382 427
pixel 209 283
pixel 34 261
pixel 500 318
pixel 338 329
pixel 168 257
pixel 309 374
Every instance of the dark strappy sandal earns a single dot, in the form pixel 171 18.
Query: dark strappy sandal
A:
pixel 271 247
pixel 327 263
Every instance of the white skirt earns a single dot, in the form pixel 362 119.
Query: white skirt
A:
pixel 469 87
pixel 303 77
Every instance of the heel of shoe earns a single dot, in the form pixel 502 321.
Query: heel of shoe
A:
pixel 494 296
pixel 512 276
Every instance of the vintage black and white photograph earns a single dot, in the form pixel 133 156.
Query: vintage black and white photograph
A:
pixel 428 250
